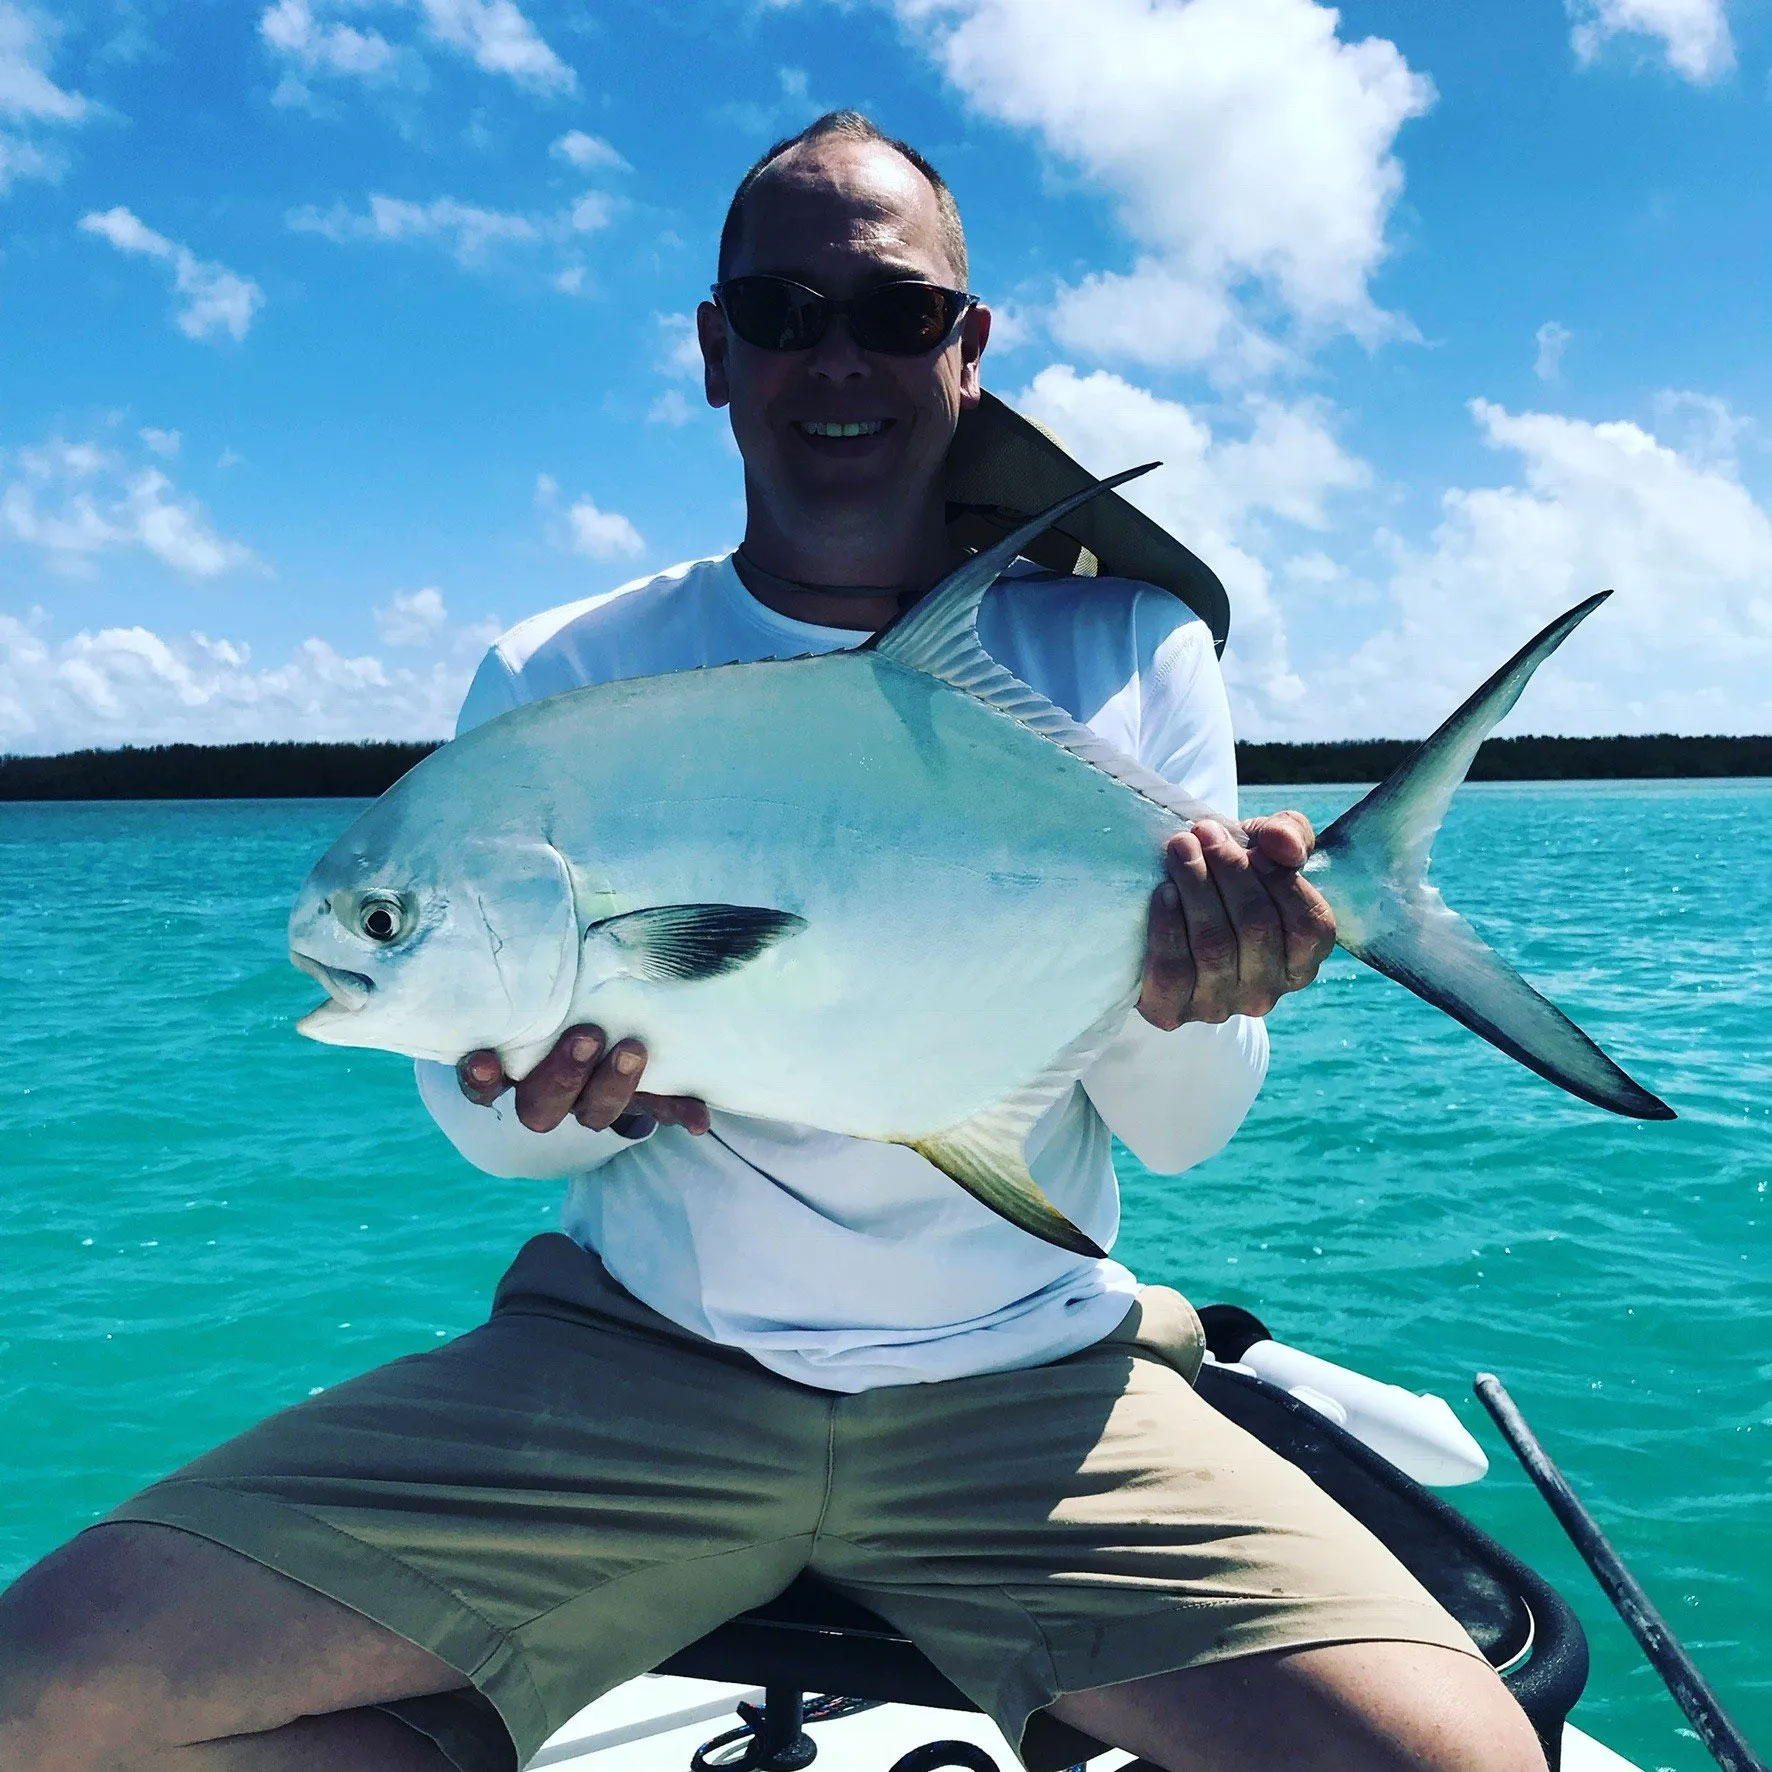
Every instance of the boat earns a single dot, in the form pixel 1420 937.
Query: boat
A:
pixel 811 1675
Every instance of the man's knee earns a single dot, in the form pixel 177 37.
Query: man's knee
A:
pixel 76 1653
pixel 135 1639
pixel 1455 1713
pixel 1382 1706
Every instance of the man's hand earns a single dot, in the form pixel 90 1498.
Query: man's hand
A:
pixel 587 1078
pixel 1232 930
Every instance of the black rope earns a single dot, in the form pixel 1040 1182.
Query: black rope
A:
pixel 966 1754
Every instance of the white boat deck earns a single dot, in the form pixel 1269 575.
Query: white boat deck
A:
pixel 655 1723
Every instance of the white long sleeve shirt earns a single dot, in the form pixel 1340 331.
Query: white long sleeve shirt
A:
pixel 836 1261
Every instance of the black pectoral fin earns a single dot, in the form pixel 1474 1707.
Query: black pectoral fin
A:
pixel 685 942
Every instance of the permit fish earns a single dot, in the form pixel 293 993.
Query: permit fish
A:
pixel 892 892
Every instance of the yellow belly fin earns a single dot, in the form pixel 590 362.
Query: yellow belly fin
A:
pixel 987 1154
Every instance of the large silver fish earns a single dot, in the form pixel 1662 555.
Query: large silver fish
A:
pixel 891 892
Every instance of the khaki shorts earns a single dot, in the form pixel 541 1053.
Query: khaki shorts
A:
pixel 565 1496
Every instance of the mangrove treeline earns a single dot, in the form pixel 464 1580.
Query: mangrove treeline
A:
pixel 321 771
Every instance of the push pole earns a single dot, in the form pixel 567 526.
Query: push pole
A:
pixel 1691 1691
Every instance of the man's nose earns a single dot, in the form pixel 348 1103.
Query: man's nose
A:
pixel 836 356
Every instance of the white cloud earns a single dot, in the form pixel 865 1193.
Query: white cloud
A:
pixel 1552 340
pixel 412 618
pixel 26 90
pixel 1685 645
pixel 1248 150
pixel 592 211
pixel 495 35
pixel 472 234
pixel 679 350
pixel 29 98
pixel 292 28
pixel 1160 316
pixel 20 159
pixel 1693 34
pixel 1219 495
pixel 589 153
pixel 670 408
pixel 466 230
pixel 499 40
pixel 75 501
pixel 1661 516
pixel 163 443
pixel 603 535
pixel 1701 427
pixel 215 298
pixel 1314 568
pixel 584 529
pixel 130 685
pixel 795 107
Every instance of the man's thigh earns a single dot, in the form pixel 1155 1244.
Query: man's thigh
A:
pixel 1378 1706
pixel 546 1506
pixel 138 1636
pixel 1093 1522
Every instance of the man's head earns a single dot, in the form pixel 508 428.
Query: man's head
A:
pixel 843 209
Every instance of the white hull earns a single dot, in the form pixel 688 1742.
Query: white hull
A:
pixel 655 1723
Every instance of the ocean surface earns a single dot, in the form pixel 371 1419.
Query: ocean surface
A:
pixel 206 1217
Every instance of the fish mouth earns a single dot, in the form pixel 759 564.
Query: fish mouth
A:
pixel 344 988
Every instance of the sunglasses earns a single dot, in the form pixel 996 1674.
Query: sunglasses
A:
pixel 907 319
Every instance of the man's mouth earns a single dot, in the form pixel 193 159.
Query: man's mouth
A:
pixel 845 427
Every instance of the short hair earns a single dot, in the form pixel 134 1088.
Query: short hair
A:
pixel 848 126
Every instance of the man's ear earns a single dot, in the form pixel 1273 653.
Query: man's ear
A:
pixel 975 332
pixel 711 335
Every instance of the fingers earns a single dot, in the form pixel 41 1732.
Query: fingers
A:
pixel 1309 926
pixel 1250 979
pixel 665 1110
pixel 1233 929
pixel 1204 987
pixel 578 1078
pixel 1168 984
pixel 1283 843
pixel 1283 838
pixel 553 1089
pixel 609 1090
pixel 482 1077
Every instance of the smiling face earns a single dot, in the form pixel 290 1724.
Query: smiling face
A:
pixel 843 448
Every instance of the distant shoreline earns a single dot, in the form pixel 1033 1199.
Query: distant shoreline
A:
pixel 323 771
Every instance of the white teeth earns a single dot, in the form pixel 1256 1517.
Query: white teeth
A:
pixel 866 427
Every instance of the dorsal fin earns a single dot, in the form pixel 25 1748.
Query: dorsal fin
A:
pixel 948 616
pixel 939 637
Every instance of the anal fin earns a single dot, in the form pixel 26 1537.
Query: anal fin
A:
pixel 987 1154
pixel 984 1155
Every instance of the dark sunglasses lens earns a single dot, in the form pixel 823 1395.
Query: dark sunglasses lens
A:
pixel 773 314
pixel 903 319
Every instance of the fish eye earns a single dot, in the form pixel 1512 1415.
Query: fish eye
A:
pixel 380 917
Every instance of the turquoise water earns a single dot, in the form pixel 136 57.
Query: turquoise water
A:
pixel 207 1217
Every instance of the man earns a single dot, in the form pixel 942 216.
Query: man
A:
pixel 791 1350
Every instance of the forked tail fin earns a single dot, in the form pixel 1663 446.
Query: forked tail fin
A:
pixel 1371 865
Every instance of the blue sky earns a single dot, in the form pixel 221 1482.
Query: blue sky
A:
pixel 337 334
